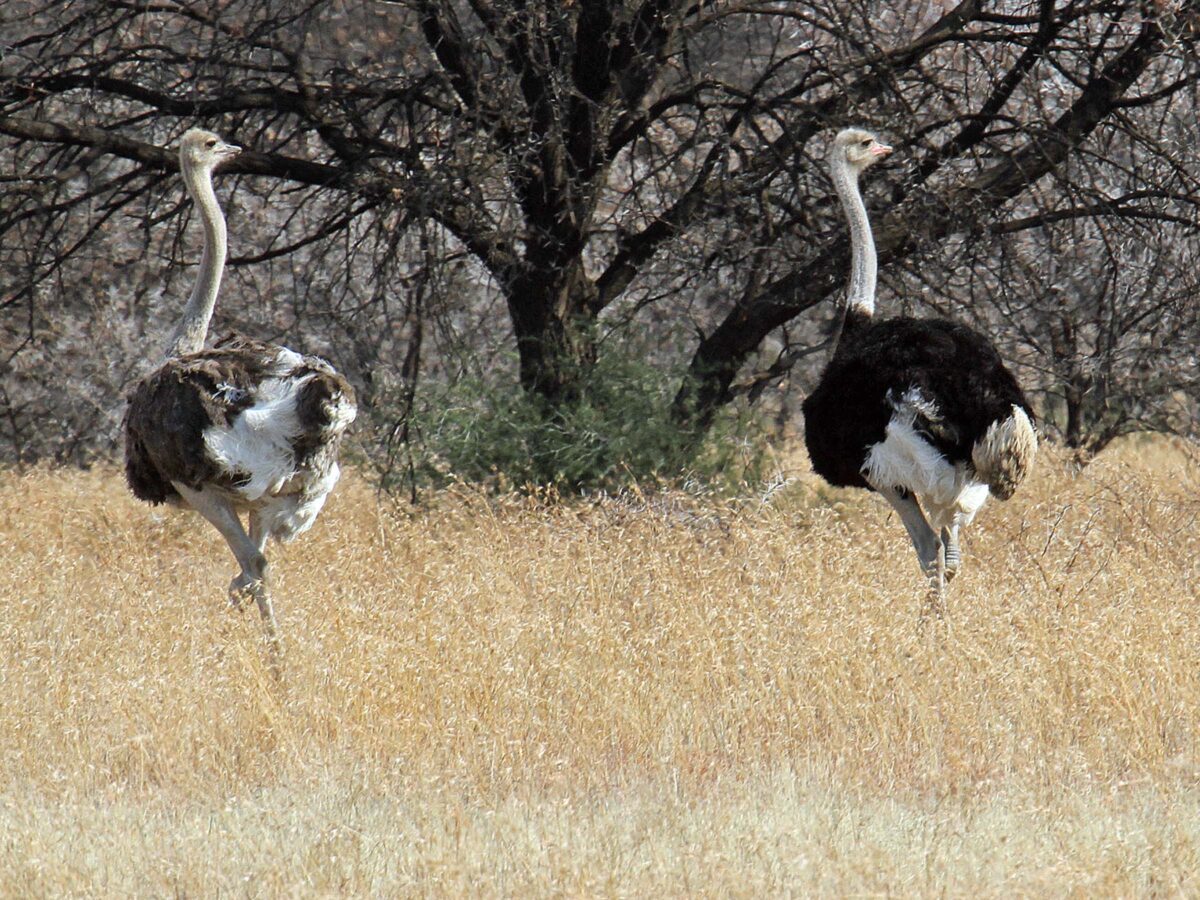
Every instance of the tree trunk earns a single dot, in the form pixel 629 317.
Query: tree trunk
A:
pixel 719 356
pixel 554 330
pixel 1073 434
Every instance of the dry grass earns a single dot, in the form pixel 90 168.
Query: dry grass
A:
pixel 682 697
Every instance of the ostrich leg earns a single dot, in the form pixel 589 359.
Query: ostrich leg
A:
pixel 261 593
pixel 931 549
pixel 252 577
pixel 936 603
pixel 953 555
pixel 924 538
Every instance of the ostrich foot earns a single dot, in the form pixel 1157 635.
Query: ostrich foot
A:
pixel 240 589
pixel 245 586
pixel 935 599
pixel 250 582
pixel 262 598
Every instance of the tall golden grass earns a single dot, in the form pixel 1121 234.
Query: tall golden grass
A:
pixel 621 697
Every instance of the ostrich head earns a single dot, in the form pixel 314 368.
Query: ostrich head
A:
pixel 860 148
pixel 203 150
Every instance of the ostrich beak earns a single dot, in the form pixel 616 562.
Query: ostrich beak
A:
pixel 880 150
pixel 225 152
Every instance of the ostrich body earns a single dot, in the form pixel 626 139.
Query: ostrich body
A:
pixel 923 411
pixel 244 426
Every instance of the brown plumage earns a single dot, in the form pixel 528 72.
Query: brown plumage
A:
pixel 171 409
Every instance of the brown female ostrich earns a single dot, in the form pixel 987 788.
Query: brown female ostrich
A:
pixel 245 426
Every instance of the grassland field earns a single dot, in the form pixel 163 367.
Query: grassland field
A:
pixel 667 695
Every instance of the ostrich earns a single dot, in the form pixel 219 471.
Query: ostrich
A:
pixel 243 426
pixel 923 411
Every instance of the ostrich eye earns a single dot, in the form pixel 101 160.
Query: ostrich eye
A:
pixel 867 142
pixel 210 143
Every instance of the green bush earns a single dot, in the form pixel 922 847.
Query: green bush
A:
pixel 619 432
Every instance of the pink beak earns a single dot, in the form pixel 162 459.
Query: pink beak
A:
pixel 881 150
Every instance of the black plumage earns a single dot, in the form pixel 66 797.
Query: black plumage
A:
pixel 877 362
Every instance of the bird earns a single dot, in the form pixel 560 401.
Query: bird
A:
pixel 922 411
pixel 244 426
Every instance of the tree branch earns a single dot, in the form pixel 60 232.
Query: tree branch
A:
pixel 720 355
pixel 636 249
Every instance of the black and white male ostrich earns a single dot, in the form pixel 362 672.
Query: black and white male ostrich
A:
pixel 245 426
pixel 922 411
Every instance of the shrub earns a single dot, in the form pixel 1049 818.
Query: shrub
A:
pixel 619 432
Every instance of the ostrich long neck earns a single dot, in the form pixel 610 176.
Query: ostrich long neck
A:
pixel 861 297
pixel 193 327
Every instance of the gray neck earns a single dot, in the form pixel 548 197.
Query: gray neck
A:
pixel 861 296
pixel 192 329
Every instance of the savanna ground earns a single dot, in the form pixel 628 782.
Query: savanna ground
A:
pixel 671 696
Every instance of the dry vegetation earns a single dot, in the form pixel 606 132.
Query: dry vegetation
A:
pixel 679 697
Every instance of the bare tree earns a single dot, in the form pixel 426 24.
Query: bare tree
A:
pixel 597 165
pixel 1114 333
